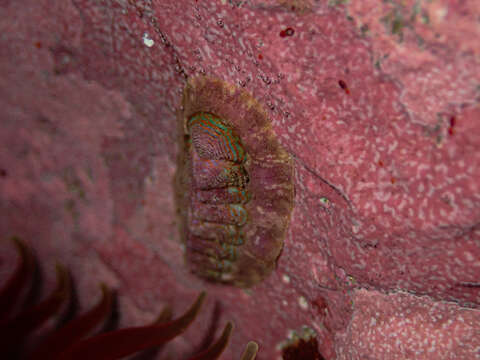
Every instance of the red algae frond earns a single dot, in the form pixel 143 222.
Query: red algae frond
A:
pixel 216 349
pixel 67 342
pixel 123 342
pixel 250 352
pixel 10 292
pixel 16 329
pixel 76 329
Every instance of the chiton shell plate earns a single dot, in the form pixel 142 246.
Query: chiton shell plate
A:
pixel 234 185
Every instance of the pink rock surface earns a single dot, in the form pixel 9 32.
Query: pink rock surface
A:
pixel 387 165
pixel 404 326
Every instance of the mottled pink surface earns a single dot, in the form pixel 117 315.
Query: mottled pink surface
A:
pixel 402 326
pixel 382 256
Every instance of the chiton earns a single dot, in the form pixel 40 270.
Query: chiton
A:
pixel 234 185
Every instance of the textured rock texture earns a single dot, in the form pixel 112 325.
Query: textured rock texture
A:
pixel 377 102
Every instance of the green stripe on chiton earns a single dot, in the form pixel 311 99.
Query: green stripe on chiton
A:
pixel 234 184
pixel 212 139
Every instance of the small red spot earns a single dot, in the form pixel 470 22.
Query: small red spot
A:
pixel 453 121
pixel 393 180
pixel 344 86
pixel 38 45
pixel 321 305
pixel 380 163
pixel 260 56
pixel 287 32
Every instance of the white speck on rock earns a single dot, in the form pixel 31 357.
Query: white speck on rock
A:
pixel 469 256
pixel 303 303
pixel 147 40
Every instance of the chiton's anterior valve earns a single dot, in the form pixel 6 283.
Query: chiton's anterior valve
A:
pixel 234 184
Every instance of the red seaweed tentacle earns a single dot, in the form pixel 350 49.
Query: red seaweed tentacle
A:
pixel 18 328
pixel 214 351
pixel 250 352
pixel 120 343
pixel 76 329
pixel 165 316
pixel 9 294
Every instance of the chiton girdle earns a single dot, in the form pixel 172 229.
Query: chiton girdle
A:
pixel 234 184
